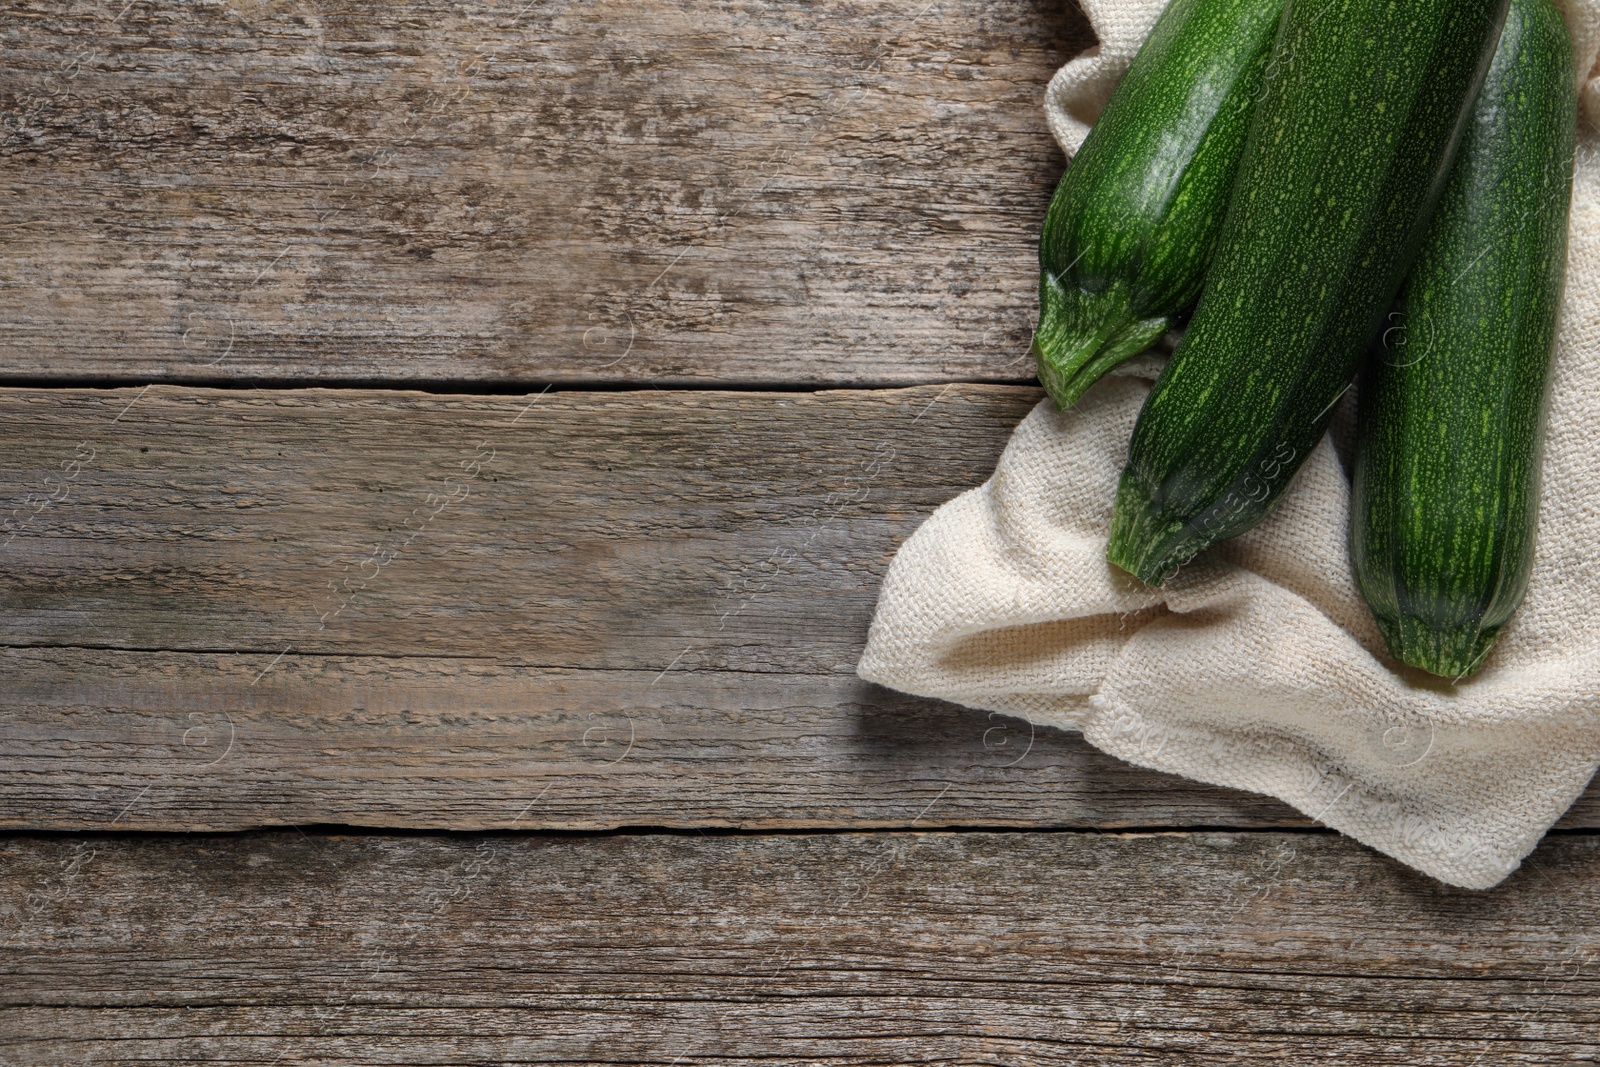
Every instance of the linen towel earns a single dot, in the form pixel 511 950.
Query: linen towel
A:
pixel 1259 666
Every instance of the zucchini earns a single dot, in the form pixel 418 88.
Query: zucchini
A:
pixel 1136 215
pixel 1348 149
pixel 1445 496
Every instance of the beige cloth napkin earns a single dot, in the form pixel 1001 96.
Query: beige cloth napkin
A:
pixel 1259 667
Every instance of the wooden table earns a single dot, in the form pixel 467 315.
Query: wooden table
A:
pixel 452 453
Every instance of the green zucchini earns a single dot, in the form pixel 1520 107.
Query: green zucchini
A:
pixel 1446 481
pixel 1135 217
pixel 1364 104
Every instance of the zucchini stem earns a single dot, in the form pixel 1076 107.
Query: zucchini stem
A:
pixel 1082 335
pixel 1147 541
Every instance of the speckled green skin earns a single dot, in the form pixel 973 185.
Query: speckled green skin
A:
pixel 1445 500
pixel 1362 112
pixel 1136 216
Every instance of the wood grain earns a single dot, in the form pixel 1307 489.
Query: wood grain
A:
pixel 95 740
pixel 610 531
pixel 971 948
pixel 774 191
pixel 640 609
pixel 165 666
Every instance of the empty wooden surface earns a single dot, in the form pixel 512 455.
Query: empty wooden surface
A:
pixel 601 530
pixel 779 191
pixel 966 948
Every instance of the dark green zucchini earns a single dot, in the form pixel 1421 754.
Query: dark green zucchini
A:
pixel 1135 218
pixel 1363 108
pixel 1449 434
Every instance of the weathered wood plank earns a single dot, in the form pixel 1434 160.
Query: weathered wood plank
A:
pixel 1212 948
pixel 691 572
pixel 493 670
pixel 161 741
pixel 620 531
pixel 145 741
pixel 775 191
